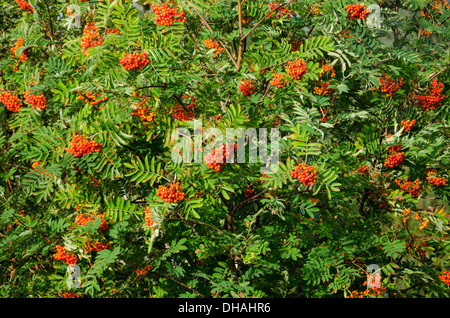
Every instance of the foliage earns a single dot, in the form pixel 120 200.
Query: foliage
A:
pixel 234 232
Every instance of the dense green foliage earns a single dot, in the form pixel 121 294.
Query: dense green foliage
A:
pixel 236 232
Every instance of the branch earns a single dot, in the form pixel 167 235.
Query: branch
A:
pixel 241 33
pixel 206 25
pixel 265 17
pixel 196 222
pixel 179 283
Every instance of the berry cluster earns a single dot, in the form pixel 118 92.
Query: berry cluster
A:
pixel 90 37
pixel 62 255
pixel 277 81
pixel 13 103
pixel 295 45
pixel 436 180
pixel 434 99
pixel 134 61
pixel 217 159
pixel 249 193
pixel 25 5
pixel 368 293
pixel 144 270
pixel 24 56
pixel 307 175
pixel 408 124
pixel 91 98
pixel 172 194
pixel 70 295
pixel 165 15
pixel 22 213
pixel 83 220
pixel 327 68
pixel 436 5
pixel 322 89
pixel 36 167
pixel 247 87
pixel 413 188
pixel 280 11
pixel 388 85
pixel 426 33
pixel 144 112
pixel 79 147
pixel 406 213
pixel 445 277
pixel 297 68
pixel 95 246
pixel 148 218
pixel 356 11
pixel 394 149
pixel 37 101
pixel 364 169
pixel 113 31
pixel 213 45
pixel 424 224
pixel 394 160
pixel 180 113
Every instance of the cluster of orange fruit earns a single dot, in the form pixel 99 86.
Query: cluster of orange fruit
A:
pixel 327 68
pixel 185 114
pixel 364 169
pixel 143 270
pixel 210 44
pixel 394 149
pixel 148 218
pixel 38 168
pixel 434 97
pixel 144 112
pixel 70 295
pixel 406 213
pixel 91 98
pixel 90 37
pixel 408 124
pixel 170 194
pixel 277 81
pixel 134 61
pixel 322 89
pixel 388 85
pixel 95 246
pixel 217 159
pixel 356 11
pixel 307 175
pixel 297 68
pixel 436 180
pixel 445 277
pixel 79 147
pixel 11 102
pixel 249 193
pixel 24 56
pixel 394 160
pixel 25 5
pixel 436 5
pixel 413 188
pixel 83 220
pixel 165 15
pixel 37 101
pixel 113 31
pixel 246 87
pixel 62 255
pixel 280 11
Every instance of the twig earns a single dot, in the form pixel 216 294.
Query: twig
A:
pixel 179 283
pixel 206 25
pixel 265 17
